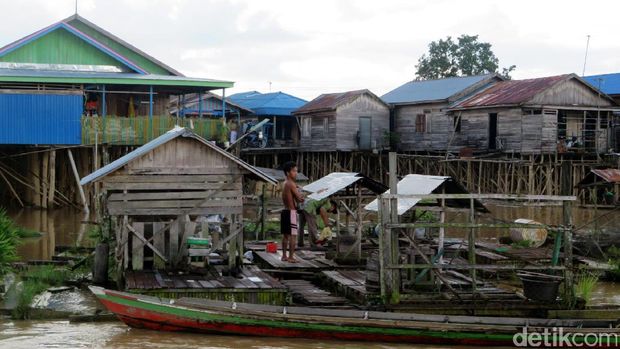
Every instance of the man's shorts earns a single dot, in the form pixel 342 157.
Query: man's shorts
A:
pixel 288 222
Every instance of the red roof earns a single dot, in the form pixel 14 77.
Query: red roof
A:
pixel 511 92
pixel 331 101
pixel 610 175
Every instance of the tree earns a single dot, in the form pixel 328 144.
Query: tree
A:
pixel 467 56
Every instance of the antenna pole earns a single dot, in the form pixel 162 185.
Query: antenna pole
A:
pixel 585 59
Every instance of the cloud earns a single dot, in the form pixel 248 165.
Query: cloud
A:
pixel 311 47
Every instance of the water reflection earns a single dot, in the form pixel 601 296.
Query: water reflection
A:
pixel 59 227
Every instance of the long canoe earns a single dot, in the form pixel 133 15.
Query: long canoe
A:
pixel 230 318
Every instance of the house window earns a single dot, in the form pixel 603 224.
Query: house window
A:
pixel 603 121
pixel 457 123
pixel 420 123
pixel 306 127
pixel 326 125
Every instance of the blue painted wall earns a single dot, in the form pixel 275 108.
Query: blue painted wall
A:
pixel 40 119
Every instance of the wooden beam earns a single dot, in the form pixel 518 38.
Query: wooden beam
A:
pixel 76 175
pixel 145 242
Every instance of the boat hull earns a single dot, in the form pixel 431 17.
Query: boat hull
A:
pixel 162 317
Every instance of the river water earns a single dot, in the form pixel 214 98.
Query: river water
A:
pixel 66 227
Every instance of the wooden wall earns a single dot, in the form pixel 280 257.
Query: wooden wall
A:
pixel 570 93
pixel 163 194
pixel 439 125
pixel 319 140
pixel 343 125
pixel 347 120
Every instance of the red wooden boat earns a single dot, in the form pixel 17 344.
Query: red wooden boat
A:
pixel 219 317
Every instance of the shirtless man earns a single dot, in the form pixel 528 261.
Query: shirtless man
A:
pixel 288 217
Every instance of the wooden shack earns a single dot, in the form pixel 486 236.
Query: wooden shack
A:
pixel 487 114
pixel 534 116
pixel 347 121
pixel 419 109
pixel 163 193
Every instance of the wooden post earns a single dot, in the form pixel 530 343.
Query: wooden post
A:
pixel 471 254
pixel 137 247
pixel 358 230
pixel 160 244
pixel 567 215
pixel 392 236
pixel 263 214
pixel 442 229
pixel 100 267
pixel 43 180
pixel 76 175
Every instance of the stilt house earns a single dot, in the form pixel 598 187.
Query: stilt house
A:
pixel 347 121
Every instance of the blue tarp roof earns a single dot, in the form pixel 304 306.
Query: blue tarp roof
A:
pixel 273 103
pixel 431 90
pixel 609 83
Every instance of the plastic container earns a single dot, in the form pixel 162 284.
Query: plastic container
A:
pixel 540 289
pixel 537 236
pixel 271 247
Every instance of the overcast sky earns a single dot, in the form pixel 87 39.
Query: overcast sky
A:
pixel 311 47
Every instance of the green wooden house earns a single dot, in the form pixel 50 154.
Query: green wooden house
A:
pixel 76 83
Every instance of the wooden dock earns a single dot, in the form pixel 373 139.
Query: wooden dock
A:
pixel 306 260
pixel 253 286
pixel 306 293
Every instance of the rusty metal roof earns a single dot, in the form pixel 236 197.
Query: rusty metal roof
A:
pixel 510 92
pixel 610 175
pixel 331 101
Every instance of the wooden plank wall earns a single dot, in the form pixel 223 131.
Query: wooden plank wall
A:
pixel 319 140
pixel 343 125
pixel 347 120
pixel 439 126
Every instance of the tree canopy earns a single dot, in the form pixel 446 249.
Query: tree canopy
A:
pixel 463 57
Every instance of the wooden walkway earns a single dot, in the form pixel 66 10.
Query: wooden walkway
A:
pixel 254 286
pixel 347 283
pixel 311 260
pixel 306 293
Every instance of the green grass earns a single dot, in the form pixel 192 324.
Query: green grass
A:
pixel 10 235
pixel 585 283
pixel 30 288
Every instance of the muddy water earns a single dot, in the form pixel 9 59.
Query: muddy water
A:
pixel 61 334
pixel 65 228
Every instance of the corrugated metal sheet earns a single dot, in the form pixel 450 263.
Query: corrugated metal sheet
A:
pixel 431 90
pixel 166 137
pixel 331 101
pixel 267 104
pixel 279 174
pixel 40 118
pixel 511 92
pixel 413 184
pixel 610 175
pixel 44 76
pixel 608 83
pixel 331 184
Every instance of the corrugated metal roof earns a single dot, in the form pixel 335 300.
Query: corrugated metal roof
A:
pixel 610 175
pixel 412 184
pixel 416 184
pixel 273 103
pixel 607 83
pixel 431 90
pixel 331 184
pixel 511 92
pixel 279 174
pixel 337 181
pixel 107 78
pixel 166 137
pixel 331 101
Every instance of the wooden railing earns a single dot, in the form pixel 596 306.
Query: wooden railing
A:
pixel 141 129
